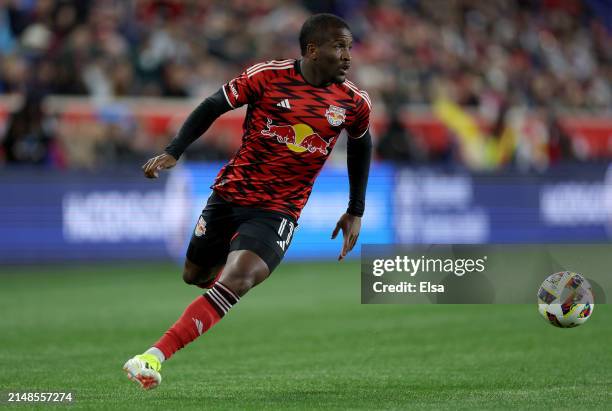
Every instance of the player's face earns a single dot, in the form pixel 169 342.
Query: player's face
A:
pixel 334 56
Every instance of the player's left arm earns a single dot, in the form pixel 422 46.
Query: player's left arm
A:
pixel 359 154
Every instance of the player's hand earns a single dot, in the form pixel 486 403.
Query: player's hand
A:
pixel 350 226
pixel 161 162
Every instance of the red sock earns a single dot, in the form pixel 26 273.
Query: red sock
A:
pixel 204 312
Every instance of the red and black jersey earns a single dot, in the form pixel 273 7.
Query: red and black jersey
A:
pixel 289 131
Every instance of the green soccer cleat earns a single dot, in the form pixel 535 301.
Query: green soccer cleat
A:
pixel 144 369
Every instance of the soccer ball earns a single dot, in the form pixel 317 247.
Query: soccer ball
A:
pixel 565 299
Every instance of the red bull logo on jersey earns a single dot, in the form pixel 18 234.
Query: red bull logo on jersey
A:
pixel 335 115
pixel 200 228
pixel 298 137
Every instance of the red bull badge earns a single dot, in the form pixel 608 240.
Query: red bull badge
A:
pixel 200 229
pixel 297 137
pixel 335 115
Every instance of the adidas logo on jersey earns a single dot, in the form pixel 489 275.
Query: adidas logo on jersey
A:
pixel 284 104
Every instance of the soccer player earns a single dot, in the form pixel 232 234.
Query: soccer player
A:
pixel 296 111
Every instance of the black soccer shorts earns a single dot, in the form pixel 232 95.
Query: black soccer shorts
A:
pixel 223 227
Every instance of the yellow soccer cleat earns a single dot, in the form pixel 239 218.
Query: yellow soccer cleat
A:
pixel 144 369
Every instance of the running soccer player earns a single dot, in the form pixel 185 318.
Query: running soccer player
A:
pixel 296 111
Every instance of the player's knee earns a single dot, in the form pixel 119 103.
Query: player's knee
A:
pixel 244 270
pixel 190 277
pixel 192 274
pixel 240 282
pixel 241 279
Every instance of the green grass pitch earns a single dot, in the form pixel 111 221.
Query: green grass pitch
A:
pixel 301 340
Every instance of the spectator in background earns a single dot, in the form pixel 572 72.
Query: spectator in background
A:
pixel 174 80
pixel 30 136
pixel 14 74
pixel 397 144
pixel 7 40
pixel 122 141
pixel 530 53
pixel 71 61
pixel 560 145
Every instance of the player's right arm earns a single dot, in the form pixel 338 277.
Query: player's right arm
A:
pixel 161 162
pixel 196 124
pixel 241 90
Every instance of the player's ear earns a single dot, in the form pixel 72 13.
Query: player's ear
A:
pixel 312 51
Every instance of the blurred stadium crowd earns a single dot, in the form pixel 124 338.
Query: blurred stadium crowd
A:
pixel 458 58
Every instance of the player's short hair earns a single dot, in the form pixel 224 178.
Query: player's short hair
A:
pixel 315 29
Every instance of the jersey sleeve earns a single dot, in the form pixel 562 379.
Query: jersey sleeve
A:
pixel 361 121
pixel 247 88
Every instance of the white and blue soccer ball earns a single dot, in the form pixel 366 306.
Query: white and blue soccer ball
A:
pixel 566 299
